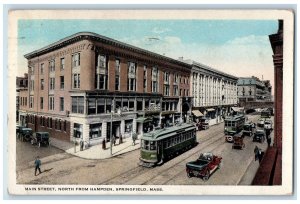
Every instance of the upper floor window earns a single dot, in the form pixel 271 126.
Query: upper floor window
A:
pixel 52 83
pixel 31 70
pixel 131 76
pixel 76 60
pixel 176 78
pixel 117 75
pixel 145 79
pixel 101 73
pixel 31 102
pixel 52 65
pixel 154 79
pixel 31 85
pixel 76 81
pixel 51 103
pixel 62 63
pixel 42 84
pixel 77 104
pixel 166 77
pixel 62 82
pixel 42 68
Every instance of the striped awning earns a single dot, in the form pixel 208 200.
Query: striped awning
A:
pixel 197 113
pixel 210 109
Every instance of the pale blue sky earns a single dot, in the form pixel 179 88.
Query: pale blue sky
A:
pixel 238 47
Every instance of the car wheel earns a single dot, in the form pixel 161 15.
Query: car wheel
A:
pixel 206 176
pixel 190 175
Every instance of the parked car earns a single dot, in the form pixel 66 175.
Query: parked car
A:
pixel 259 136
pixel 248 129
pixel 203 124
pixel 40 138
pixel 204 166
pixel 25 134
pixel 268 125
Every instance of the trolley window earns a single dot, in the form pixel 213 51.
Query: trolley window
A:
pixel 146 145
pixel 152 145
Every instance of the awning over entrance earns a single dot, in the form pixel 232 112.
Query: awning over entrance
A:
pixel 143 120
pixel 197 113
pixel 210 109
pixel 237 109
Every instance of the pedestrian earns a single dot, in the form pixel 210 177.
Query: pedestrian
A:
pixel 256 153
pixel 269 140
pixel 120 139
pixel 37 164
pixel 114 140
pixel 103 144
pixel 134 137
pixel 81 145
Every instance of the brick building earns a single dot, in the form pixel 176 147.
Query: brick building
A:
pixel 21 84
pixel 213 91
pixel 253 89
pixel 79 84
pixel 270 170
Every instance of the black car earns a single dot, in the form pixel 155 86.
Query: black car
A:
pixel 259 136
pixel 41 138
pixel 24 134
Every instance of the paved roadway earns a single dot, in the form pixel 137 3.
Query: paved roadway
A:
pixel 238 166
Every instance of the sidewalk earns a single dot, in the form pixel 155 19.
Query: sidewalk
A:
pixel 96 151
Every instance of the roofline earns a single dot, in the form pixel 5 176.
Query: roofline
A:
pixel 86 35
pixel 212 69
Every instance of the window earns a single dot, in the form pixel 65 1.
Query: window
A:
pixel 100 105
pixel 31 85
pixel 42 103
pixel 117 72
pixel 175 89
pixel 42 84
pixel 77 130
pixel 139 105
pixel 95 130
pixel 166 77
pixel 31 70
pixel 176 78
pixel 101 73
pixel 52 83
pixel 51 102
pixel 76 81
pixel 154 79
pixel 65 125
pixel 42 68
pixel 52 65
pixel 78 104
pixel 62 63
pixel 91 106
pixel 61 103
pixel 145 79
pixel 75 60
pixel 166 90
pixel 131 85
pixel 31 102
pixel 62 82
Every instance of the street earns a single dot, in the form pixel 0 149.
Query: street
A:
pixel 238 166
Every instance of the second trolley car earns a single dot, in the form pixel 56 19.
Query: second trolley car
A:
pixel 164 144
pixel 233 125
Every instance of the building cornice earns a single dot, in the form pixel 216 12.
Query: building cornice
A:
pixel 105 40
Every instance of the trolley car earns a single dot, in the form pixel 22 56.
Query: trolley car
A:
pixel 164 144
pixel 233 125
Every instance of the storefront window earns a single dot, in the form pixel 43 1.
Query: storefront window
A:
pixel 139 105
pixel 131 104
pixel 108 105
pixel 95 130
pixel 77 130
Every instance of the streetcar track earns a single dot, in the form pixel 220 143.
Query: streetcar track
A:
pixel 129 174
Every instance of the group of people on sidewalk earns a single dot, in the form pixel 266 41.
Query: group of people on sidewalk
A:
pixel 257 151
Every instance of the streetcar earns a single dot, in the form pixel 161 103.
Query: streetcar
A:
pixel 233 125
pixel 163 144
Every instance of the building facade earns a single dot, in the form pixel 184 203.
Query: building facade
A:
pixel 86 85
pixel 251 89
pixel 21 84
pixel 213 92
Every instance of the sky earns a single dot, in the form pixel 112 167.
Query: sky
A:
pixel 237 47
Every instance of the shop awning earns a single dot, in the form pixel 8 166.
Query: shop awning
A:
pixel 210 109
pixel 237 109
pixel 143 120
pixel 197 113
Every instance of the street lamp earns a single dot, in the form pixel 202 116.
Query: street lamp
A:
pixel 111 118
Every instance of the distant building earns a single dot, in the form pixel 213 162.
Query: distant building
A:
pixel 253 89
pixel 214 92
pixel 21 84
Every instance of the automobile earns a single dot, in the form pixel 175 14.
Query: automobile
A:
pixel 271 110
pixel 268 125
pixel 25 134
pixel 261 122
pixel 248 129
pixel 40 138
pixel 204 166
pixel 238 142
pixel 259 136
pixel 203 124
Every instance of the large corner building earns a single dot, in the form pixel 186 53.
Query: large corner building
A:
pixel 78 85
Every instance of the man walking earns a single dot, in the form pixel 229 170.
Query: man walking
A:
pixel 37 164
